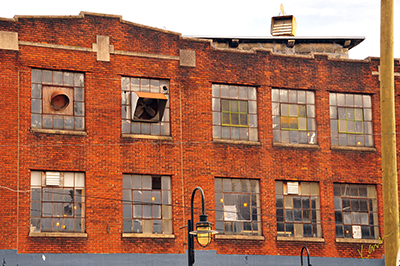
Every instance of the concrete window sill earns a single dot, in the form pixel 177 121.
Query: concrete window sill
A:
pixel 300 239
pixel 140 136
pixel 59 132
pixel 238 237
pixel 347 148
pixel 295 146
pixel 358 241
pixel 134 235
pixel 243 142
pixel 56 234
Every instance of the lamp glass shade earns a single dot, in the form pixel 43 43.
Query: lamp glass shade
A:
pixel 204 239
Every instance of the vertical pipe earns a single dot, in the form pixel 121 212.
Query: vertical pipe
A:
pixel 388 129
pixel 18 155
pixel 190 244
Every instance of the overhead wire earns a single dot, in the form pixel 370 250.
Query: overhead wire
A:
pixel 213 210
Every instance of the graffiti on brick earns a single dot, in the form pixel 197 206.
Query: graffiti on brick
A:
pixel 371 247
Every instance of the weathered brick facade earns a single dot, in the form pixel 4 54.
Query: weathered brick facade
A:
pixel 190 155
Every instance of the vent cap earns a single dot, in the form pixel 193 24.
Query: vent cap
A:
pixel 283 26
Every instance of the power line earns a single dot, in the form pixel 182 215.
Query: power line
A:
pixel 174 206
pixel 145 141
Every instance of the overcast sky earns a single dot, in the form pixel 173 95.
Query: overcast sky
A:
pixel 245 18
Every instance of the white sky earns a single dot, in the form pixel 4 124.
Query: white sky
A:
pixel 240 18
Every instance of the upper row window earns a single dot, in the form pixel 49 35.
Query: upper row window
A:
pixel 57 100
pixel 58 103
pixel 234 112
pixel 351 120
pixel 293 116
pixel 145 106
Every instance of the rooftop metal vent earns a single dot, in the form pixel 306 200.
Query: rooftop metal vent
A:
pixel 283 26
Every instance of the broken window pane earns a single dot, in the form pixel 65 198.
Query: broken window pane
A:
pixel 150 193
pixel 356 210
pixel 56 203
pixel 234 114
pixel 237 207
pixel 351 119
pixel 299 207
pixel 294 116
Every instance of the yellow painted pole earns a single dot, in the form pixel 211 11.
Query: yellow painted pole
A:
pixel 388 129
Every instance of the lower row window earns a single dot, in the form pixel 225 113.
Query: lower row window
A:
pixel 356 211
pixel 298 209
pixel 57 201
pixel 237 206
pixel 147 204
pixel 58 205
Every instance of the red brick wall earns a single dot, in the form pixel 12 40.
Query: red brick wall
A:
pixel 191 157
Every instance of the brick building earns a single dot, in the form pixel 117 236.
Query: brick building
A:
pixel 108 126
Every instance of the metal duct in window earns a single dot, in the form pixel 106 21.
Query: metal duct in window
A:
pixel 53 178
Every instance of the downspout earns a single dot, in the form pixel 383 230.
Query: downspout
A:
pixel 181 142
pixel 18 155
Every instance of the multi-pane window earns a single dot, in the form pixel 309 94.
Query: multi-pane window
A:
pixel 237 206
pixel 57 201
pixel 297 209
pixel 147 204
pixel 351 120
pixel 57 100
pixel 293 116
pixel 356 211
pixel 155 86
pixel 234 112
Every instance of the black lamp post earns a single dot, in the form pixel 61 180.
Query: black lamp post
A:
pixel 203 231
pixel 308 256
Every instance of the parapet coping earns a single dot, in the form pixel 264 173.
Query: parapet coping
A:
pixel 82 14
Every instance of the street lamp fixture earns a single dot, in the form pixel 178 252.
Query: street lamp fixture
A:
pixel 203 231
pixel 308 256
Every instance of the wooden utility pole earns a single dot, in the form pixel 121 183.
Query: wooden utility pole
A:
pixel 388 137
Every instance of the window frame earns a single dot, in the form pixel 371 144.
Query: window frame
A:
pixel 227 217
pixel 230 131
pixel 151 85
pixel 133 217
pixel 305 131
pixel 40 201
pixel 340 104
pixel 344 195
pixel 43 83
pixel 230 113
pixel 285 194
